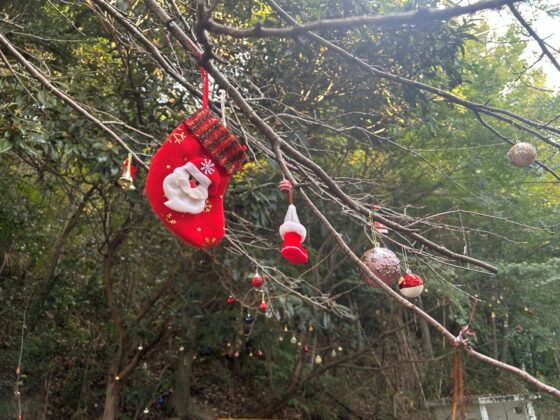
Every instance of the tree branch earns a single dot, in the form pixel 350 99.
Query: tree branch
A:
pixel 70 224
pixel 509 141
pixel 155 297
pixel 516 120
pixel 273 137
pixel 535 36
pixel 401 18
pixel 138 355
pixel 154 52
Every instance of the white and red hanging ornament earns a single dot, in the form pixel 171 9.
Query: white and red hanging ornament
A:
pixel 522 154
pixel 292 231
pixel 411 285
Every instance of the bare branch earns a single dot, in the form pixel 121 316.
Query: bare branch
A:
pixel 401 18
pixel 509 141
pixel 516 120
pixel 152 300
pixel 535 36
pixel 129 368
pixel 519 372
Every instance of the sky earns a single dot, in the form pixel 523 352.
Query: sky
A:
pixel 547 27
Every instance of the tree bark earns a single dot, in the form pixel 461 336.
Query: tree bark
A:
pixel 494 337
pixel 56 255
pixel 557 361
pixel 111 399
pixel 505 341
pixel 425 332
pixel 182 401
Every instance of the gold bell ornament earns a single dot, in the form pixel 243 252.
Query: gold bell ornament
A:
pixel 128 174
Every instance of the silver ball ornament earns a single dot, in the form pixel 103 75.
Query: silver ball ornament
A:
pixel 383 263
pixel 522 154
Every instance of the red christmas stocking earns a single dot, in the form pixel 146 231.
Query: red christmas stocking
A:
pixel 188 178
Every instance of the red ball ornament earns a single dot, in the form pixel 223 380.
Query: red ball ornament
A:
pixel 305 349
pixel 257 281
pixel 259 354
pixel 383 263
pixel 230 300
pixel 411 285
pixel 262 307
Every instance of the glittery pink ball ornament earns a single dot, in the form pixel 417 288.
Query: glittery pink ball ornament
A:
pixel 383 263
pixel 522 154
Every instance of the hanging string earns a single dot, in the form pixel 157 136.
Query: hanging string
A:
pixel 129 163
pixel 374 233
pixel 405 260
pixel 223 106
pixel 458 391
pixel 460 341
pixel 204 76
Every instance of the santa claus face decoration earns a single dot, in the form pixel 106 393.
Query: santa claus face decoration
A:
pixel 383 263
pixel 187 187
pixel 522 154
pixel 411 285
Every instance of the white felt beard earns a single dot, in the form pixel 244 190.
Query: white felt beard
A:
pixel 181 196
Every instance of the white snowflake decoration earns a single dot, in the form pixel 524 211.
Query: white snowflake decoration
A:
pixel 207 167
